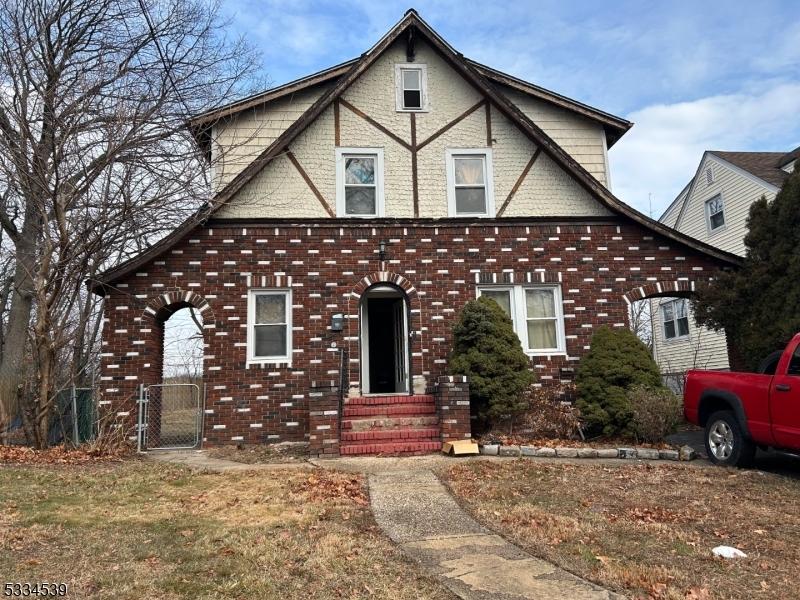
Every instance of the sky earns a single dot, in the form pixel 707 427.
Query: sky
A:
pixel 692 76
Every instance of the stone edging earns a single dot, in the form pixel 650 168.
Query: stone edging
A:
pixel 684 454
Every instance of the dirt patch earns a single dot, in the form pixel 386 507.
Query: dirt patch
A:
pixel 645 530
pixel 270 453
pixel 140 530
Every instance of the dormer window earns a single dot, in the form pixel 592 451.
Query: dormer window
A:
pixel 412 82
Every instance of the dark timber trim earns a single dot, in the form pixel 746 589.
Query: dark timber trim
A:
pixel 451 124
pixel 489 124
pixel 336 125
pixel 518 182
pixel 414 176
pixel 375 124
pixel 290 155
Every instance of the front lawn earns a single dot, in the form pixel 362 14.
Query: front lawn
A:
pixel 142 530
pixel 645 530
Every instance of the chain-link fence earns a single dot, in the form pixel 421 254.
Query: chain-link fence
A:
pixel 169 416
pixel 77 416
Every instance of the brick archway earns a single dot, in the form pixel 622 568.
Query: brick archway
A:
pixel 387 277
pixel 161 307
pixel 680 289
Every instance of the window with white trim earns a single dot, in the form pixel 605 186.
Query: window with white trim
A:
pixel 675 314
pixel 536 312
pixel 269 326
pixel 470 188
pixel 411 81
pixel 359 182
pixel 715 212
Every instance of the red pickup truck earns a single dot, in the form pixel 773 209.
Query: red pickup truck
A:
pixel 745 411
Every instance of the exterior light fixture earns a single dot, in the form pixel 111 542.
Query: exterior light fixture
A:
pixel 382 249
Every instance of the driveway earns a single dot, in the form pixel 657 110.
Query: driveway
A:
pixel 779 463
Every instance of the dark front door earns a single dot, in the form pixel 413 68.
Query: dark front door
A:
pixel 383 345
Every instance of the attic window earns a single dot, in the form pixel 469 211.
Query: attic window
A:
pixel 715 213
pixel 709 176
pixel 412 81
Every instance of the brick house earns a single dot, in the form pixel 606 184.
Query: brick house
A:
pixel 356 211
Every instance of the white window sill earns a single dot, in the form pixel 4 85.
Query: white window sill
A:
pixel 545 352
pixel 270 361
pixel 413 110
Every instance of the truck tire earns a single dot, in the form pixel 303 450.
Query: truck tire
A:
pixel 725 442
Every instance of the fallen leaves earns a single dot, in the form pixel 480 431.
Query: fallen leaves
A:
pixel 333 486
pixel 57 455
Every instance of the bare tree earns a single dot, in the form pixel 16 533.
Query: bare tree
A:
pixel 640 322
pixel 95 162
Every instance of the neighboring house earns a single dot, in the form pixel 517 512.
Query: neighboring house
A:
pixel 362 207
pixel 713 208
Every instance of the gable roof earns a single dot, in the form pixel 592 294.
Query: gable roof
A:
pixel 471 74
pixel 615 127
pixel 766 166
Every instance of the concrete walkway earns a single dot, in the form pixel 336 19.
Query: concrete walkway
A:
pixel 416 511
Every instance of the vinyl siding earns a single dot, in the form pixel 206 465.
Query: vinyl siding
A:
pixel 738 193
pixel 702 349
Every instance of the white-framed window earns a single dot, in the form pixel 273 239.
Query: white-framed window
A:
pixel 536 312
pixel 715 213
pixel 470 185
pixel 675 315
pixel 359 182
pixel 411 82
pixel 269 326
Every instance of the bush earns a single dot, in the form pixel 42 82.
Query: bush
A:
pixel 616 362
pixel 656 413
pixel 548 415
pixel 489 353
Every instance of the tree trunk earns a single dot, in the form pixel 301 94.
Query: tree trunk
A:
pixel 12 360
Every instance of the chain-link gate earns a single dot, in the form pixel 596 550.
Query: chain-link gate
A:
pixel 170 416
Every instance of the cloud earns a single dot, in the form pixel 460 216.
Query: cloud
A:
pixel 661 153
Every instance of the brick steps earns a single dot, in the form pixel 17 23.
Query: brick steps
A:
pixel 404 448
pixel 368 437
pixel 392 424
pixel 386 400
pixel 389 423
pixel 389 410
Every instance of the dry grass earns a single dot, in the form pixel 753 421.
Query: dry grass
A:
pixel 646 530
pixel 141 531
pixel 267 453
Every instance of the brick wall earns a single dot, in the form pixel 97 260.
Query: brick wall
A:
pixel 323 421
pixel 452 393
pixel 600 266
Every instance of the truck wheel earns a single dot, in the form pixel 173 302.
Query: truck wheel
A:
pixel 725 442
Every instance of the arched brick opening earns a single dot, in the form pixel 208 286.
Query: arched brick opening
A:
pixel 162 307
pixel 358 290
pixel 660 289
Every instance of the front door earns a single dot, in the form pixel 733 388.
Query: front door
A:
pixel 384 342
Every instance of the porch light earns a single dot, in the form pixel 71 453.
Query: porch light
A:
pixel 382 249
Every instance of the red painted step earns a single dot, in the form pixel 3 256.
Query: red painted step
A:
pixel 392 435
pixel 413 447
